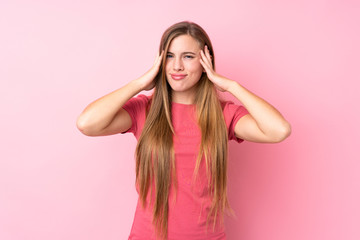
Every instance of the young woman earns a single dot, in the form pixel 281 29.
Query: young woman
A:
pixel 183 131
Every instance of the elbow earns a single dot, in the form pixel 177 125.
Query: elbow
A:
pixel 82 127
pixel 283 132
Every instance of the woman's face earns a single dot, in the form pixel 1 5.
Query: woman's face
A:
pixel 183 59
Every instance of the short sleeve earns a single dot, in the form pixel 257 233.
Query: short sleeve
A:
pixel 232 113
pixel 136 108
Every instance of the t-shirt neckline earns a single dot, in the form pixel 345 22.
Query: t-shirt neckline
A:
pixel 183 104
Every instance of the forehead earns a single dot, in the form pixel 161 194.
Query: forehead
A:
pixel 184 43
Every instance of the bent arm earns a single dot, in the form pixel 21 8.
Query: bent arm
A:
pixel 264 123
pixel 105 115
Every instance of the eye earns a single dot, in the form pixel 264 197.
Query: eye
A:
pixel 168 55
pixel 188 56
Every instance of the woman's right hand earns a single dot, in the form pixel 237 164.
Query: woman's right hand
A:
pixel 147 80
pixel 105 115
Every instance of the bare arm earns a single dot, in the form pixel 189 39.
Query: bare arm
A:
pixel 98 115
pixel 264 123
pixel 105 116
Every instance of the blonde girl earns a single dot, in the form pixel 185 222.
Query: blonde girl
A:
pixel 183 130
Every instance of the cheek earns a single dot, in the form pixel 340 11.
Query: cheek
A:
pixel 195 66
pixel 167 67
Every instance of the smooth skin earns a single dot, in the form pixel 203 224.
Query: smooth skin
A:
pixel 264 123
pixel 183 57
pixel 105 115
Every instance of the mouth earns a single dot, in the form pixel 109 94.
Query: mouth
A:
pixel 178 76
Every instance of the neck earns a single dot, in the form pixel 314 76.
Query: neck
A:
pixel 183 98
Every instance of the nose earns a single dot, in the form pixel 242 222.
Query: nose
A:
pixel 178 64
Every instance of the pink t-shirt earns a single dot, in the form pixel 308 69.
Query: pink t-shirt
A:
pixel 188 213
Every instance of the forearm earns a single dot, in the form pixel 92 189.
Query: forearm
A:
pixel 269 119
pixel 99 114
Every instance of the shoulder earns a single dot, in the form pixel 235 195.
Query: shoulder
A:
pixel 230 109
pixel 137 107
pixel 138 102
pixel 142 98
pixel 232 113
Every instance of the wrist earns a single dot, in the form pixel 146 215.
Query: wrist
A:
pixel 136 86
pixel 232 85
pixel 140 84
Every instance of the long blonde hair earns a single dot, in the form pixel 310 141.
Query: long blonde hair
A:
pixel 154 151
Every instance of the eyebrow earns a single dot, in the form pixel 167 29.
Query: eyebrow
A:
pixel 185 53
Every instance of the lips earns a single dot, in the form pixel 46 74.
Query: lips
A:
pixel 178 76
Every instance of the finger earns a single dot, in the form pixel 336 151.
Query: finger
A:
pixel 158 58
pixel 204 62
pixel 207 49
pixel 206 66
pixel 207 53
pixel 205 58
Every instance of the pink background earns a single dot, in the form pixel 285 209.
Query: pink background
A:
pixel 58 56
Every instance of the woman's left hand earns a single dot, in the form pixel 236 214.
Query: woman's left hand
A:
pixel 221 83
